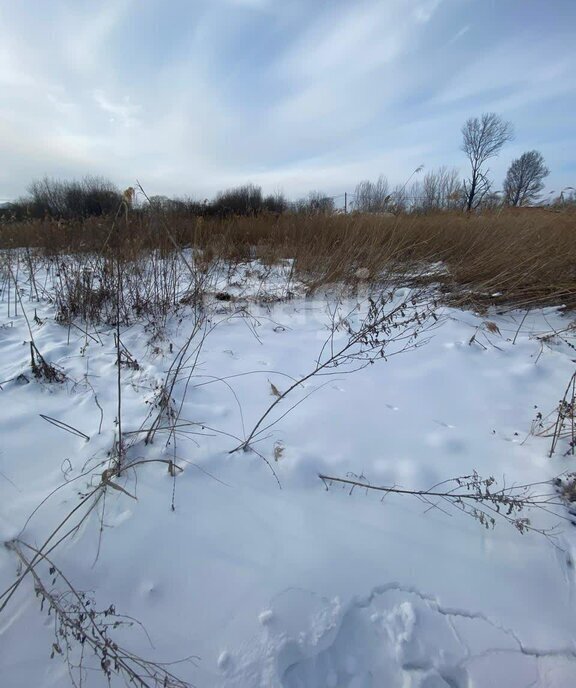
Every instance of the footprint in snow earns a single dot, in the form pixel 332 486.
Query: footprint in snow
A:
pixel 265 617
pixel 393 637
pixel 389 639
pixel 224 660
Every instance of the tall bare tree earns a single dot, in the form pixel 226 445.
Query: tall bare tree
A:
pixel 373 197
pixel 483 139
pixel 523 182
pixel 441 189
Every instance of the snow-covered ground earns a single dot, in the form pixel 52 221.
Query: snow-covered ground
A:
pixel 299 586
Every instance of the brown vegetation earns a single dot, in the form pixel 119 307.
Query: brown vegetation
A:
pixel 520 257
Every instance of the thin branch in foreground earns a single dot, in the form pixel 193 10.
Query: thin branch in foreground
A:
pixel 64 426
pixel 78 626
pixel 560 424
pixel 387 328
pixel 472 494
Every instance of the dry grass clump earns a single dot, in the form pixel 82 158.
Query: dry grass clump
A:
pixel 560 424
pixel 522 257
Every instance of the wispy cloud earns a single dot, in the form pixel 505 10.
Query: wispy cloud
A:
pixel 464 30
pixel 536 71
pixel 195 95
pixel 123 111
pixel 425 10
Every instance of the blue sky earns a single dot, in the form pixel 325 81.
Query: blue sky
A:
pixel 192 96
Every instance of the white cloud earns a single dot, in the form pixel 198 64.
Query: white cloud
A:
pixel 424 11
pixel 124 110
pixel 355 40
pixel 346 70
pixel 85 36
pixel 533 72
pixel 299 95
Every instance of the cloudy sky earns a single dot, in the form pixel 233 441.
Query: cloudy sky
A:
pixel 192 96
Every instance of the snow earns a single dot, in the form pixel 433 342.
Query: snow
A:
pixel 298 586
pixel 266 617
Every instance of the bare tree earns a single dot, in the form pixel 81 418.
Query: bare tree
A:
pixel 441 189
pixel 91 196
pixel 399 198
pixel 523 182
pixel 372 197
pixel 483 139
pixel 567 197
pixel 319 203
pixel 241 200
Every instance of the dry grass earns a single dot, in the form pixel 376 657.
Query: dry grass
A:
pixel 520 257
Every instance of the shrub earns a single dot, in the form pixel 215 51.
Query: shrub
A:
pixel 242 200
pixel 72 200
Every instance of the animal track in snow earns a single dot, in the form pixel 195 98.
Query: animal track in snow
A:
pixel 388 640
pixel 396 637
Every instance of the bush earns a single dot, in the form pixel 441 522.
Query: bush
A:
pixel 316 203
pixel 242 200
pixel 73 200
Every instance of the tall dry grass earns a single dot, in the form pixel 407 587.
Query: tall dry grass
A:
pixel 520 257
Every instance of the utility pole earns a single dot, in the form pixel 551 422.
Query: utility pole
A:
pixel 345 202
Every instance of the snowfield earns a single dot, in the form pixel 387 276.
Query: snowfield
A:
pixel 254 574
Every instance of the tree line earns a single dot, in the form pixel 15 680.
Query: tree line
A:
pixel 96 196
pixel 482 139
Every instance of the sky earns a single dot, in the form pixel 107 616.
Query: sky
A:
pixel 194 96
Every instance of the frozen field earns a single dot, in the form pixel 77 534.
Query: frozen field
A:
pixel 244 561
